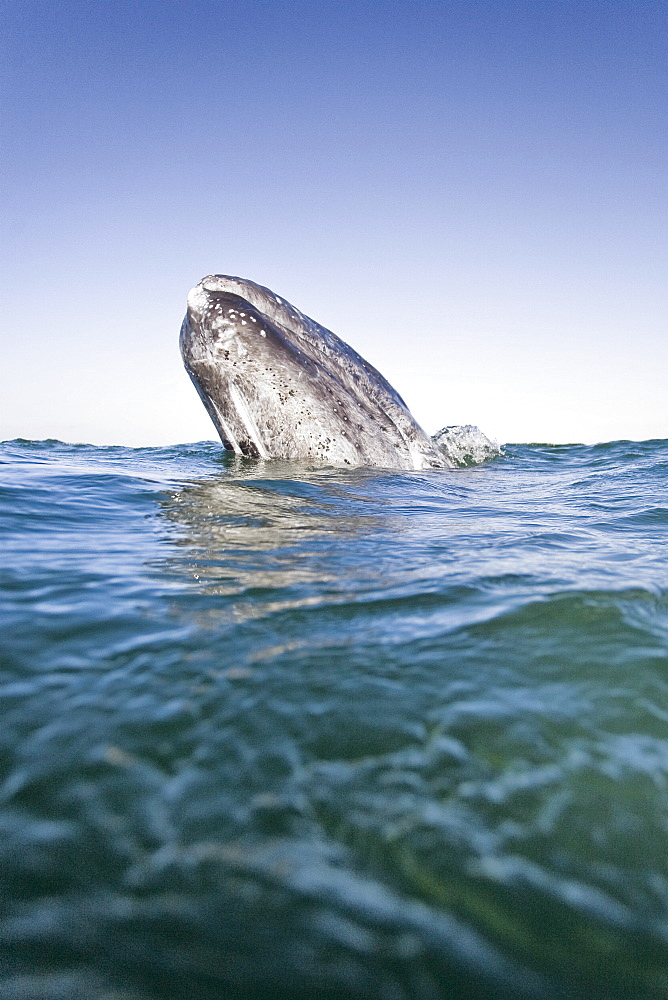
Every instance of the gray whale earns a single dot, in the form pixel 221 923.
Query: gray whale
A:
pixel 278 385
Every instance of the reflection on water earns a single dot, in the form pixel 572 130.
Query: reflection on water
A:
pixel 246 532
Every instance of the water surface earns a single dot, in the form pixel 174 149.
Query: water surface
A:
pixel 275 731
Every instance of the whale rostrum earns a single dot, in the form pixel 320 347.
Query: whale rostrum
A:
pixel 276 384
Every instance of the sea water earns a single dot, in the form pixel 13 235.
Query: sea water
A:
pixel 276 731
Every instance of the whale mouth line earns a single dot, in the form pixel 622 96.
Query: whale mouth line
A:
pixel 246 417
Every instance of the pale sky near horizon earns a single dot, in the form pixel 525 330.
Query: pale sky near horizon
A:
pixel 472 194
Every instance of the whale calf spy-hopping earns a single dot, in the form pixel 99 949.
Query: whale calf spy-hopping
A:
pixel 278 385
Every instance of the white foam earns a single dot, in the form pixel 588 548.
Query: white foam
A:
pixel 466 444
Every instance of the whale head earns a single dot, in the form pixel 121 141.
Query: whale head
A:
pixel 278 385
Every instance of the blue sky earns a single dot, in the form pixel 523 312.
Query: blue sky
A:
pixel 471 194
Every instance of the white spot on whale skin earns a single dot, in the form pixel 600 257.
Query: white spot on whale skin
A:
pixel 263 333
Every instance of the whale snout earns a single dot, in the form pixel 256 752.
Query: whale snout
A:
pixel 220 321
pixel 198 302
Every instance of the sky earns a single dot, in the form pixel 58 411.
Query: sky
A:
pixel 472 194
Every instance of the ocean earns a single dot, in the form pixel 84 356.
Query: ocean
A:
pixel 275 731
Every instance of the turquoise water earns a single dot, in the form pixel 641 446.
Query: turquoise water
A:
pixel 269 731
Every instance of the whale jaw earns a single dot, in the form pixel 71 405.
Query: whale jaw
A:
pixel 276 384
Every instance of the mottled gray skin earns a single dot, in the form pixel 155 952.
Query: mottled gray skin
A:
pixel 278 385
